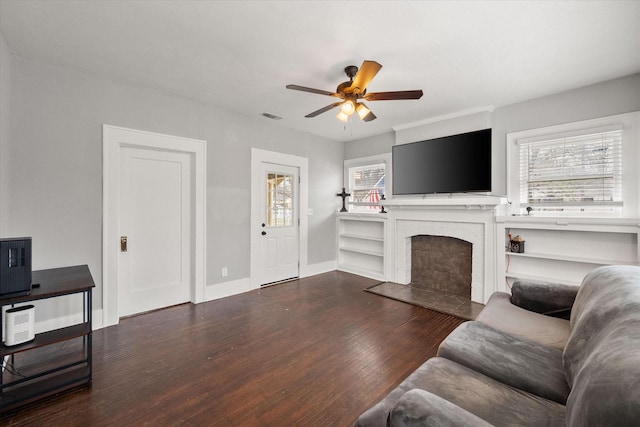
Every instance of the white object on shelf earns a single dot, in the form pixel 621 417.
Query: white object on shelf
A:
pixel 20 325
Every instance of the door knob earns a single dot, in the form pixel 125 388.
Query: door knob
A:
pixel 123 243
pixel 264 233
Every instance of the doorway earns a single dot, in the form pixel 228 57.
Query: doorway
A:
pixel 154 221
pixel 279 205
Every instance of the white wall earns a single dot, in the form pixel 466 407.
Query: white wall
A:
pixel 55 153
pixel 5 95
pixel 380 144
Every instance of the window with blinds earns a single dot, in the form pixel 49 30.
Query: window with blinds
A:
pixel 574 172
pixel 366 185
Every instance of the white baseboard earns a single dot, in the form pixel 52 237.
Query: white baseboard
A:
pixel 226 289
pixel 322 267
pixel 68 320
pixel 234 287
pixel 97 319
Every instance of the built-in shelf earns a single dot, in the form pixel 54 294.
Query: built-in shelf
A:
pixel 361 244
pixel 362 251
pixel 570 258
pixel 564 250
pixel 536 278
pixel 362 237
pixel 530 221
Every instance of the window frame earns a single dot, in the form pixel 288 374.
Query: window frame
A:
pixel 367 161
pixel 628 122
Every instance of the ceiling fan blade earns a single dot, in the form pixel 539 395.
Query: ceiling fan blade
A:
pixel 312 90
pixel 365 74
pixel 389 96
pixel 323 110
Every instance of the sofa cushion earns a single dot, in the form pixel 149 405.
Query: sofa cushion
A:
pixel 602 356
pixel 552 299
pixel 484 397
pixel 419 408
pixel 512 360
pixel 493 401
pixel 500 314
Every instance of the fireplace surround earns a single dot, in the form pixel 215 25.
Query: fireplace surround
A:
pixel 472 223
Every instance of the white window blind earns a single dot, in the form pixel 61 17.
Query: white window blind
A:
pixel 366 185
pixel 583 170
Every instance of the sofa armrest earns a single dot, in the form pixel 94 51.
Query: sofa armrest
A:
pixel 421 408
pixel 552 299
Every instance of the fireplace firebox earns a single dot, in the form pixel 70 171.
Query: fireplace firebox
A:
pixel 441 263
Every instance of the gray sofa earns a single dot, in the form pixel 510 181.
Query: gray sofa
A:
pixel 516 364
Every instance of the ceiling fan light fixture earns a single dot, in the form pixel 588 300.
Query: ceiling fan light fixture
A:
pixel 348 107
pixel 362 111
pixel 343 117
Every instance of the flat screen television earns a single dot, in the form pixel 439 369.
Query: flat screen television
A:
pixel 452 164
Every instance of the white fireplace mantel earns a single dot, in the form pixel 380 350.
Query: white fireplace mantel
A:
pixel 467 218
pixel 472 202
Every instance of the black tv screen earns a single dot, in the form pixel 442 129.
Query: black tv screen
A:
pixel 452 164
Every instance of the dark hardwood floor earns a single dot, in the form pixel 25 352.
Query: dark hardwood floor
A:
pixel 312 352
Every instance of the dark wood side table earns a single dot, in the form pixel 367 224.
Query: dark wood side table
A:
pixel 55 360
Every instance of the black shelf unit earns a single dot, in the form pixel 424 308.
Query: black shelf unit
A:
pixel 50 375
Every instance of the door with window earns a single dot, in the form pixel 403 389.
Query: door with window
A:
pixel 279 226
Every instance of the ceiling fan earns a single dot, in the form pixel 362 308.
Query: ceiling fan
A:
pixel 355 89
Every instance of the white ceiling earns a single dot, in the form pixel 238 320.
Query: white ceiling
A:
pixel 240 55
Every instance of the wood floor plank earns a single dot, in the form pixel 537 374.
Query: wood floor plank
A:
pixel 312 352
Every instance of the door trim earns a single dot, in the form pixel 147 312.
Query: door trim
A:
pixel 113 139
pixel 258 157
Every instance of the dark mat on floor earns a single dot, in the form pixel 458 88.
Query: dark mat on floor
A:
pixel 433 300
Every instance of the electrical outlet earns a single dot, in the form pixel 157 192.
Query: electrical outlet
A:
pixel 224 272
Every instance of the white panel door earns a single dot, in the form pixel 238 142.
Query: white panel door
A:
pixel 279 225
pixel 155 217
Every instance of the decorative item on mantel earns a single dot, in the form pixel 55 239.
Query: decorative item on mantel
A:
pixel 516 245
pixel 381 206
pixel 344 196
